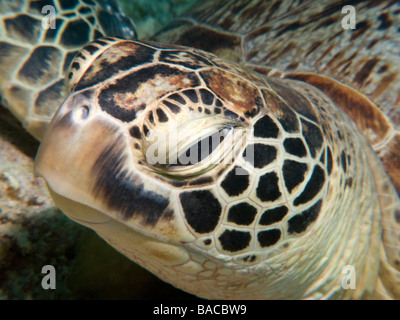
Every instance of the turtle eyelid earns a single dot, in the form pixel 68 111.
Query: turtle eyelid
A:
pixel 201 150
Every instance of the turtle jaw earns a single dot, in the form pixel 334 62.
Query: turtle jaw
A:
pixel 149 252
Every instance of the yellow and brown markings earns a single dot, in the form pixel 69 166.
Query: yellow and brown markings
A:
pixel 125 96
pixel 118 58
pixel 221 43
pixel 390 158
pixel 281 110
pixel 184 58
pixel 294 99
pixel 384 84
pixel 244 71
pixel 243 96
pixel 361 77
pixel 372 122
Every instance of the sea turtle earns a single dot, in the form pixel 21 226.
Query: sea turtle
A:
pixel 265 167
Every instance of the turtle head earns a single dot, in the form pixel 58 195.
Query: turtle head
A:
pixel 133 132
pixel 176 157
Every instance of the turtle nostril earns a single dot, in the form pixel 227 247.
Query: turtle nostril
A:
pixel 82 112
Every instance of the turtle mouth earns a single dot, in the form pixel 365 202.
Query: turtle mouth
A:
pixel 77 211
pixel 132 243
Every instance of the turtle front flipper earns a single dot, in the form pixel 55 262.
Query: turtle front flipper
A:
pixel 34 57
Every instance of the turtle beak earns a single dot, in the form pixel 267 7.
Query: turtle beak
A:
pixel 86 161
pixel 74 140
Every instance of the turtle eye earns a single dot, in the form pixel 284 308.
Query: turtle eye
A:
pixel 176 154
pixel 201 150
